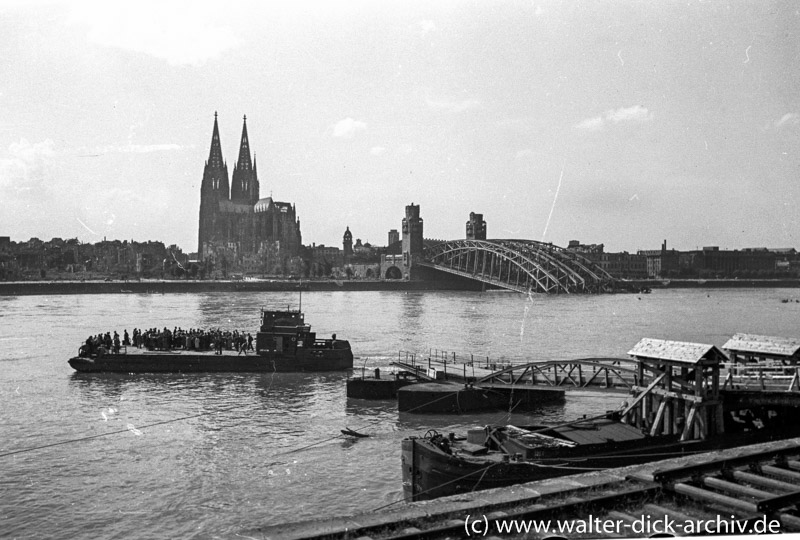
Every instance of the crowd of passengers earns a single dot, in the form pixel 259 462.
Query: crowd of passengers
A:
pixel 194 339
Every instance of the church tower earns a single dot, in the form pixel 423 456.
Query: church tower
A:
pixel 213 189
pixel 244 182
pixel 347 245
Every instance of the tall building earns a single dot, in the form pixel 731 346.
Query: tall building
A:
pixel 412 236
pixel 476 227
pixel 237 227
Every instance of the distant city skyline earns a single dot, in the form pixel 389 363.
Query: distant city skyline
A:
pixel 622 123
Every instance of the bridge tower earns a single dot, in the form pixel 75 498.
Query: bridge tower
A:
pixel 476 227
pixel 412 239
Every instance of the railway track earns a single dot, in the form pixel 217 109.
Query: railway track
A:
pixel 753 492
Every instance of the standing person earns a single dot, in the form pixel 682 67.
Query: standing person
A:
pixel 126 340
pixel 116 342
pixel 249 342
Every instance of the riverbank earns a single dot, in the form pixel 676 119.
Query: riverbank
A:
pixel 713 283
pixel 25 288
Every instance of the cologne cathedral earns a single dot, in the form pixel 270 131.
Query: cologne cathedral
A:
pixel 238 230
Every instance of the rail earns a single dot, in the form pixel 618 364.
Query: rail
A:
pixel 764 377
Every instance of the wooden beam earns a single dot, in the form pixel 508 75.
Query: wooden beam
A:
pixel 738 489
pixel 689 423
pixel 709 496
pixel 675 395
pixel 643 394
pixel 763 481
pixel 542 373
pixel 524 371
pixel 655 430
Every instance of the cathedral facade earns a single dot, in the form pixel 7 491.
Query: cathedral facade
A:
pixel 239 230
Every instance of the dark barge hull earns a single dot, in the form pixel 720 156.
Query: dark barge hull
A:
pixel 428 472
pixel 189 362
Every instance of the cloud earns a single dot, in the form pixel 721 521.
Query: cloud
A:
pixel 591 124
pixel 788 119
pixel 180 32
pixel 637 114
pixel 377 150
pixel 26 166
pixel 348 128
pixel 453 106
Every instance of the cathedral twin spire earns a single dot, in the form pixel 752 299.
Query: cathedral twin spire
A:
pixel 244 162
pixel 244 182
pixel 215 160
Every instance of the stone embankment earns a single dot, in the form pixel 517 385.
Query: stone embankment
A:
pixel 24 288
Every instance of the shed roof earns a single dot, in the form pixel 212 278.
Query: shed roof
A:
pixel 775 346
pixel 676 351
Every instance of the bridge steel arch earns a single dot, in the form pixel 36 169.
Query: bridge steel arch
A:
pixel 519 265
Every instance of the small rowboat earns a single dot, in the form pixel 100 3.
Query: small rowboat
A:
pixel 350 433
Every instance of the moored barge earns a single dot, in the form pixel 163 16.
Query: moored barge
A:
pixel 283 344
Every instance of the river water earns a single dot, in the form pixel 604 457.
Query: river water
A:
pixel 210 456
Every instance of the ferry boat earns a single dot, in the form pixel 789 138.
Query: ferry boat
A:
pixel 285 343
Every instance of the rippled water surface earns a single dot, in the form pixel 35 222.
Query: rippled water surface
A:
pixel 144 456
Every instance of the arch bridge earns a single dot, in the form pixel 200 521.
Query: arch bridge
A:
pixel 519 265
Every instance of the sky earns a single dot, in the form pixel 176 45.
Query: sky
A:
pixel 621 122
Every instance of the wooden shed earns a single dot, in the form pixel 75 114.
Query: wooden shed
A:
pixel 763 362
pixel 677 390
pixel 744 348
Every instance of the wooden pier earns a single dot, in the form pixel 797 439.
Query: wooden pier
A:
pixel 596 373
